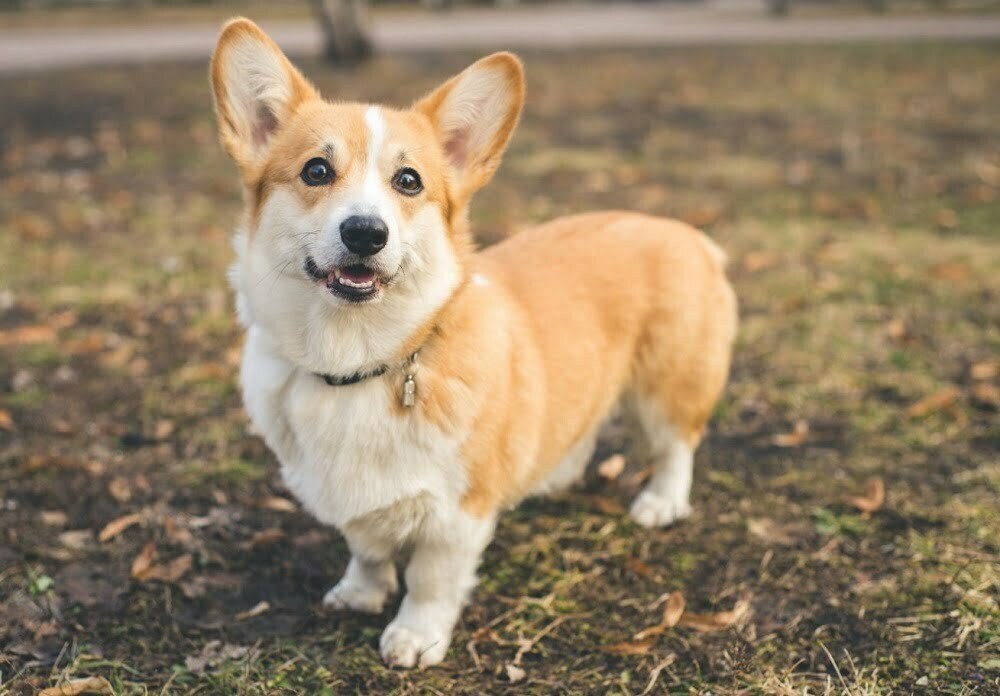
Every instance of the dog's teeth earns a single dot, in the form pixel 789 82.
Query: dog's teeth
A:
pixel 352 284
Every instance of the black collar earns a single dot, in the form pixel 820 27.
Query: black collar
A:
pixel 346 380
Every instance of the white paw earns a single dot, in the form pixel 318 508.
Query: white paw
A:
pixel 350 594
pixel 653 510
pixel 407 647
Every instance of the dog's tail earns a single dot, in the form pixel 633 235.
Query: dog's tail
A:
pixel 714 250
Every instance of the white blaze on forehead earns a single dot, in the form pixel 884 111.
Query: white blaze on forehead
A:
pixel 376 137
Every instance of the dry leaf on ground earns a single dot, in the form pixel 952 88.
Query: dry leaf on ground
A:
pixel 800 431
pixel 76 538
pixel 873 499
pixel 143 562
pixel 164 429
pixel 266 537
pixel 673 610
pixel 74 687
pixel 27 335
pixel 256 610
pixel 278 504
pixel 169 572
pixel 612 467
pixel 984 370
pixel 117 526
pixel 896 329
pixel 935 402
pixel 514 673
pixel 6 422
pixel 120 489
pixel 631 647
pixel 54 518
pixel 716 621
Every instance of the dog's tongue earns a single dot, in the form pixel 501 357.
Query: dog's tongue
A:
pixel 356 274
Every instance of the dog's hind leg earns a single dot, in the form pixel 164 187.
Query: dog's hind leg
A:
pixel 666 497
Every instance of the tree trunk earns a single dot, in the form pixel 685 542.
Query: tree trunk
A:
pixel 345 29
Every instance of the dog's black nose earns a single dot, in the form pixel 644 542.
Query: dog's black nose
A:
pixel 364 235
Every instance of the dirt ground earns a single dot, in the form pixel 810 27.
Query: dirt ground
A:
pixel 856 190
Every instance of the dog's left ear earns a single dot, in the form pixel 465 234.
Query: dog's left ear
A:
pixel 257 90
pixel 474 114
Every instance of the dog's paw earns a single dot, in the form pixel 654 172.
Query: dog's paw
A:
pixel 653 510
pixel 349 594
pixel 404 646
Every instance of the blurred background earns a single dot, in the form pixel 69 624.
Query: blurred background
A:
pixel 845 154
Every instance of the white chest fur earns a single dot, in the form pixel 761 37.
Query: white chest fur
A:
pixel 345 451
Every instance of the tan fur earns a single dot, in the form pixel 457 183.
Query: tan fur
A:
pixel 523 349
pixel 583 309
pixel 573 313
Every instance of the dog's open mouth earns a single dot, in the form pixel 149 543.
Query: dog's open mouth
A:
pixel 355 283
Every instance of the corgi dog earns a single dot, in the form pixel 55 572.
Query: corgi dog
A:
pixel 413 387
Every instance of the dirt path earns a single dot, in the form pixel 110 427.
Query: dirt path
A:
pixel 647 24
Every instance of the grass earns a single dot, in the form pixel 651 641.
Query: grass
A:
pixel 856 191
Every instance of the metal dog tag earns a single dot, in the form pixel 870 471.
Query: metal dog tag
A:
pixel 409 392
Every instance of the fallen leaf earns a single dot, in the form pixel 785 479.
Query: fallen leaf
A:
pixel 612 467
pixel 266 537
pixel 873 499
pixel 53 518
pixel 176 532
pixel 74 687
pixel 896 329
pixel 514 673
pixel 76 539
pixel 673 610
pixel 169 572
pixel 62 427
pixel 164 429
pixel 6 422
pixel 27 335
pixel 117 526
pixel 935 402
pixel 256 610
pixel 718 620
pixel 120 489
pixel 143 562
pixel 278 504
pixel 984 370
pixel 631 647
pixel 313 537
pixel 800 432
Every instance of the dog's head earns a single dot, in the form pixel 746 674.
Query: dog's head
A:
pixel 355 211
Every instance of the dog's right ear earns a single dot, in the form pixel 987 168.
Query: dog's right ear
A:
pixel 256 90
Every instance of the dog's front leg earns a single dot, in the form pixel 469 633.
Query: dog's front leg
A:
pixel 439 577
pixel 365 587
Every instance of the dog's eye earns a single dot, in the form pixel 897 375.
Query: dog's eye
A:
pixel 317 172
pixel 407 181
